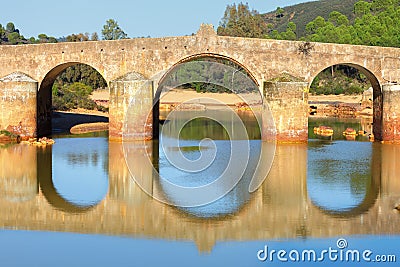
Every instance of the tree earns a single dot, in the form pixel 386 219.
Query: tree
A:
pixel 362 8
pixel 289 34
pixel 111 31
pixel 240 21
pixel 80 37
pixel 13 38
pixel 94 37
pixel 10 27
pixel 279 12
pixel 2 32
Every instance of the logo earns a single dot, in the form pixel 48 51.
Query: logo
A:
pixel 233 167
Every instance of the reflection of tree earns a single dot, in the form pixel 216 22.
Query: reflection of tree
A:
pixel 341 167
pixel 87 159
pixel 200 128
pixel 360 184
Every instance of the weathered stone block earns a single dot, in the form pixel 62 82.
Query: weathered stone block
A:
pixel 18 104
pixel 288 102
pixel 130 110
pixel 391 113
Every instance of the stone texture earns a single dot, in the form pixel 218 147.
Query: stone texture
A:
pixel 130 110
pixel 288 102
pixel 18 105
pixel 391 113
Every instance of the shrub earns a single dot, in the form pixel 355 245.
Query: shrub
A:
pixel 72 96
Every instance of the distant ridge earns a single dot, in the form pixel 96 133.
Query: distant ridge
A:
pixel 303 13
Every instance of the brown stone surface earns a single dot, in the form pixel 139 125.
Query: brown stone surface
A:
pixel 18 107
pixel 288 102
pixel 391 113
pixel 130 109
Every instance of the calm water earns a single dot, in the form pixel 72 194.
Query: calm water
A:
pixel 76 204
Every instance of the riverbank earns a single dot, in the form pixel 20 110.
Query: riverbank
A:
pixel 344 106
pixel 64 121
pixel 174 98
pixel 84 121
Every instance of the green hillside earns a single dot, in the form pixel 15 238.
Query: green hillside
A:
pixel 301 14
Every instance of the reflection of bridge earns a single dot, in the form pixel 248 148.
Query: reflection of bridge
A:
pixel 127 65
pixel 279 209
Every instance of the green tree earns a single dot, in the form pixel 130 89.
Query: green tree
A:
pixel 2 32
pixel 72 96
pixel 81 73
pixel 10 27
pixel 362 8
pixel 13 38
pixel 112 31
pixel 279 12
pixel 289 34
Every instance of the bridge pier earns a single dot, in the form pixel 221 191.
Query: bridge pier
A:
pixel 391 113
pixel 130 109
pixel 18 104
pixel 288 102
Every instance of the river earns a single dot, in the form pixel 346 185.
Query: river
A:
pixel 76 204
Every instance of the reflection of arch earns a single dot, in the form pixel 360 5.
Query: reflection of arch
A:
pixel 364 206
pixel 371 194
pixel 377 94
pixel 45 180
pixel 44 97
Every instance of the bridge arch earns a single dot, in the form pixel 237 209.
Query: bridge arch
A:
pixel 377 92
pixel 210 55
pixel 44 96
pixel 164 75
pixel 231 202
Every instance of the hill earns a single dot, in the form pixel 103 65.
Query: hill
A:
pixel 303 13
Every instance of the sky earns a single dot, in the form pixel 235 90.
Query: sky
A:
pixel 137 18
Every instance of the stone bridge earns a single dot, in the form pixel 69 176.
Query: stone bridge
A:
pixel 28 72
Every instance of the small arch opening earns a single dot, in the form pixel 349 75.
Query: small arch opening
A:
pixel 71 94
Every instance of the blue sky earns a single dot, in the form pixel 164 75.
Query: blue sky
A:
pixel 136 18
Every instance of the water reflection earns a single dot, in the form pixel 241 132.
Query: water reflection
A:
pixel 73 175
pixel 339 125
pixel 18 181
pixel 295 201
pixel 340 177
pixel 80 170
